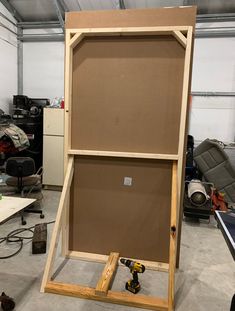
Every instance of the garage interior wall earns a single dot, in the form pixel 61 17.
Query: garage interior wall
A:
pixel 43 67
pixel 8 61
pixel 213 70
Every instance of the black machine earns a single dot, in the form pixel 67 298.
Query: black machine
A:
pixel 28 115
pixel 226 223
pixel 197 199
pixel 133 285
pixel 197 203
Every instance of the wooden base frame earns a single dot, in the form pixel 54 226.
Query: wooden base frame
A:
pixel 102 292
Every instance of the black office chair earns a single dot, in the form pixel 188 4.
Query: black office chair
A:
pixel 25 181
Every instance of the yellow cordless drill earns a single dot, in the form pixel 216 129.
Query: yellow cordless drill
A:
pixel 135 267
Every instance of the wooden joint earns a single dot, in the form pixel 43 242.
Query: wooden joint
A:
pixel 75 40
pixel 105 280
pixel 180 37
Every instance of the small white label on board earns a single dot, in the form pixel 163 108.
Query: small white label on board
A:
pixel 127 181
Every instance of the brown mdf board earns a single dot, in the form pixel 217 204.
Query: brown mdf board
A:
pixel 106 215
pixel 126 94
pixel 178 16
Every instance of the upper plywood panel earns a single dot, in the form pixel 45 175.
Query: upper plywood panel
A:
pixel 126 94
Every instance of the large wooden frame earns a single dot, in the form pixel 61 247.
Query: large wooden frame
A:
pixel 183 34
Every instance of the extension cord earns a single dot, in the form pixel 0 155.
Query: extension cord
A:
pixel 39 242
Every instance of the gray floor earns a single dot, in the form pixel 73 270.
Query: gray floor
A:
pixel 205 280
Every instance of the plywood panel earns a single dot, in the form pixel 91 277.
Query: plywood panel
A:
pixel 132 18
pixel 108 216
pixel 127 94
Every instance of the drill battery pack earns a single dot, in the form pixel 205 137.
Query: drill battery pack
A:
pixel 133 287
pixel 39 242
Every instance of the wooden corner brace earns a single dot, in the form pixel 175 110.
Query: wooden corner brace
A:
pixel 75 40
pixel 180 38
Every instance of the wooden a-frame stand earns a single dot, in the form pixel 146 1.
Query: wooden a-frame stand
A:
pixel 183 34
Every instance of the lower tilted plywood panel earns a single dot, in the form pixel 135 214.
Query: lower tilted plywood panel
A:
pixel 140 301
pixel 106 214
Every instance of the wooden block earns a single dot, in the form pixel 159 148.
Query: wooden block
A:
pixel 140 301
pixel 107 275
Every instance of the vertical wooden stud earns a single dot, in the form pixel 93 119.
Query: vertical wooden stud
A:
pixel 184 108
pixel 172 248
pixel 67 134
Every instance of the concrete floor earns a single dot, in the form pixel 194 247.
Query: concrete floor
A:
pixel 205 280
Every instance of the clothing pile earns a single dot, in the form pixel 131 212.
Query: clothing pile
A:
pixel 10 133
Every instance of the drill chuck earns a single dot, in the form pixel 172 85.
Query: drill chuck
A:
pixel 133 265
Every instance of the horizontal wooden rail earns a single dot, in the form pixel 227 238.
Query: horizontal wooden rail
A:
pixel 157 156
pixel 149 265
pixel 158 30
pixel 141 301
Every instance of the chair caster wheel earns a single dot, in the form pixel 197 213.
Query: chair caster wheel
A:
pixel 24 222
pixel 42 216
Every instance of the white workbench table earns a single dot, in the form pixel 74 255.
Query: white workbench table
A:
pixel 9 206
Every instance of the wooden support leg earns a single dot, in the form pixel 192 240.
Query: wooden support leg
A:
pixel 172 250
pixel 57 226
pixel 102 286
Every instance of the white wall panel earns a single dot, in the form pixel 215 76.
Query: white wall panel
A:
pixel 214 64
pixel 8 62
pixel 213 71
pixel 43 69
pixel 213 117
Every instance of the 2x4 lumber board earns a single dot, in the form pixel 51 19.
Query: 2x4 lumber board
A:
pixel 68 96
pixel 158 30
pixel 75 40
pixel 141 301
pixel 176 32
pixel 183 120
pixel 124 154
pixel 105 280
pixel 67 134
pixel 180 38
pixel 149 265
pixel 57 226
pixel 172 248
